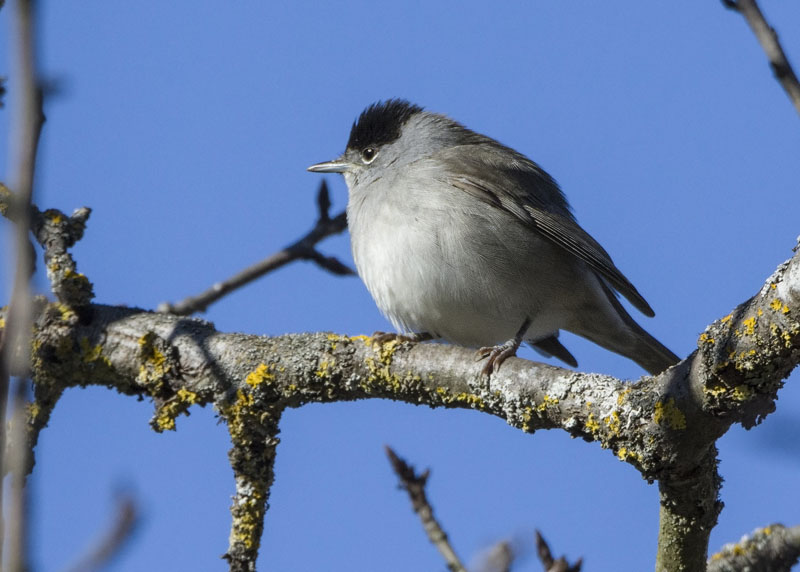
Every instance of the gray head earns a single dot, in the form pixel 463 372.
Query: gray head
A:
pixel 395 132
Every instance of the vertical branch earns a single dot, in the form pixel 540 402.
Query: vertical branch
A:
pixel 17 460
pixel 254 435
pixel 14 347
pixel 689 510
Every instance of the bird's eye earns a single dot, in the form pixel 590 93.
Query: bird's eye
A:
pixel 368 154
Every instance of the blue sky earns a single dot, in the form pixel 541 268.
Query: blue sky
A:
pixel 188 127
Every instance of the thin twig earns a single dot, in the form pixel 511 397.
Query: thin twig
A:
pixel 414 485
pixel 768 38
pixel 111 543
pixel 551 564
pixel 303 249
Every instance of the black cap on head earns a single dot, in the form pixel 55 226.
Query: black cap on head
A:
pixel 380 123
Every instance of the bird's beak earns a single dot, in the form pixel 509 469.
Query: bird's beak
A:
pixel 336 166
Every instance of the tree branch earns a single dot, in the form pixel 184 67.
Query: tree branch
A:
pixel 303 249
pixel 773 548
pixel 768 38
pixel 665 426
pixel 27 124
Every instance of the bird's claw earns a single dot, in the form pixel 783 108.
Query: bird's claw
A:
pixel 496 356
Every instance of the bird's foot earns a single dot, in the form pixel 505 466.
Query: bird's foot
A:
pixel 497 355
pixel 383 337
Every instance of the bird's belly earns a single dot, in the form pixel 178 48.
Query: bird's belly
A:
pixel 450 279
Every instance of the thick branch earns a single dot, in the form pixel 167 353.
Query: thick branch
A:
pixel 665 426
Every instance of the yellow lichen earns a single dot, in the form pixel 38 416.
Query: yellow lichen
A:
pixel 705 339
pixel 471 399
pixel 93 354
pixel 623 396
pixel 260 375
pixel 237 414
pixel 248 517
pixel 33 410
pixel 613 422
pixel 169 410
pixel 592 425
pixel 154 364
pixel 624 454
pixel 67 314
pixel 726 319
pixel 546 402
pixel 749 326
pixel 323 369
pixel 669 414
pixel 778 305
pixel 527 415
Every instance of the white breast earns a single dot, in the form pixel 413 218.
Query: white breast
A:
pixel 444 269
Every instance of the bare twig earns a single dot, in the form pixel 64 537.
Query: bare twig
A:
pixel 414 485
pixel 768 38
pixel 303 249
pixel 773 548
pixel 113 540
pixel 551 564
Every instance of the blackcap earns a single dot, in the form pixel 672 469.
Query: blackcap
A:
pixel 459 237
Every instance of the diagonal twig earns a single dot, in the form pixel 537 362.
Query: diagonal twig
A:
pixel 303 249
pixel 414 485
pixel 768 38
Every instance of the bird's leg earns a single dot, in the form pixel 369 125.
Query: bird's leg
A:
pixel 498 354
pixel 383 337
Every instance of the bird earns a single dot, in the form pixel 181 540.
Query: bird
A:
pixel 460 238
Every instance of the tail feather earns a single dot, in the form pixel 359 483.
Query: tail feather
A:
pixel 624 336
pixel 551 347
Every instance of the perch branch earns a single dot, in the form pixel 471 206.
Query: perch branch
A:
pixel 303 249
pixel 665 426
